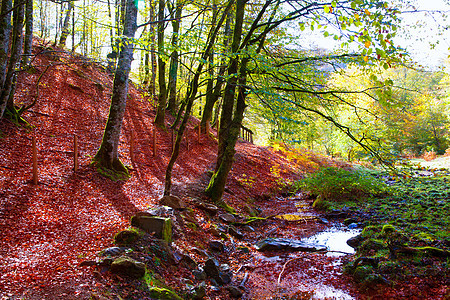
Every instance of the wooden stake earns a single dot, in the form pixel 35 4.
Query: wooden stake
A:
pixel 34 151
pixel 154 141
pixel 75 152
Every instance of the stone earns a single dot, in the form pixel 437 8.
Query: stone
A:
pixel 172 201
pixel 355 241
pixel 199 274
pixel 114 251
pixel 234 291
pixel 221 274
pixel 188 261
pixel 126 237
pixel 200 291
pixel 127 266
pixel 216 246
pixel 160 227
pixel 212 269
pixel 227 217
pixel 161 211
pixel 272 244
pixel 353 225
pixel 208 207
pixel 235 232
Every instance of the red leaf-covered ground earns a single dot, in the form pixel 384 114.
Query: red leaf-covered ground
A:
pixel 48 229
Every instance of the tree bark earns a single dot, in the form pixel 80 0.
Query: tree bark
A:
pixel 65 29
pixel 173 68
pixel 162 95
pixel 152 86
pixel 107 158
pixel 227 128
pixel 28 47
pixel 5 32
pixel 16 52
pixel 214 92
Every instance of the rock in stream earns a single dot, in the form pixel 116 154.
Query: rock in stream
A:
pixel 271 244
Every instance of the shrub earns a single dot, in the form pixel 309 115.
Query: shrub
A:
pixel 340 184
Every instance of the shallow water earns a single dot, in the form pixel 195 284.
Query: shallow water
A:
pixel 335 239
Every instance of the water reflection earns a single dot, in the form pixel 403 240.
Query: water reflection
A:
pixel 335 239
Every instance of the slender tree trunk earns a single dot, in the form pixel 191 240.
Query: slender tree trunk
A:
pixel 162 95
pixel 218 181
pixel 107 157
pixel 190 96
pixel 16 52
pixel 214 93
pixel 173 68
pixel 28 47
pixel 65 28
pixel 225 152
pixel 152 87
pixel 5 32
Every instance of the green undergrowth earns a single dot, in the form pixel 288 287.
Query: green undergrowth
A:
pixel 339 185
pixel 406 224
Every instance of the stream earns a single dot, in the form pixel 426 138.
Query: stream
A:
pixel 284 274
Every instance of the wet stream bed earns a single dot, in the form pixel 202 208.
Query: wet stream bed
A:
pixel 287 274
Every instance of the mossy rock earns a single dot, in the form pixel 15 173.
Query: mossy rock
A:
pixel 389 267
pixel 127 266
pixel 163 294
pixel 388 229
pixel 372 244
pixel 362 272
pixel 126 237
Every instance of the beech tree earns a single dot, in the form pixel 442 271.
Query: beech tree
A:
pixel 107 158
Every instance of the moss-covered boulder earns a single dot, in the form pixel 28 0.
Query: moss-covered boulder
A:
pixel 125 265
pixel 126 237
pixel 160 227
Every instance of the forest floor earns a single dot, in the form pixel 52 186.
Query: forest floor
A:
pixel 48 229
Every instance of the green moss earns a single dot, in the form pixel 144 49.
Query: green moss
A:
pixel 371 231
pixel 163 294
pixel 362 272
pixel 388 229
pixel 113 174
pixel 321 203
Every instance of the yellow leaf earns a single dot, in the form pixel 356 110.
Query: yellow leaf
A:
pixel 367 12
pixel 366 58
pixel 367 44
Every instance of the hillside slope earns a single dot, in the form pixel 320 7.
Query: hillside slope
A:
pixel 46 230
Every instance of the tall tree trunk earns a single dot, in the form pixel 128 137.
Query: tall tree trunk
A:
pixel 162 95
pixel 107 157
pixel 5 32
pixel 190 96
pixel 173 67
pixel 65 28
pixel 28 47
pixel 213 93
pixel 152 87
pixel 225 152
pixel 218 181
pixel 16 52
